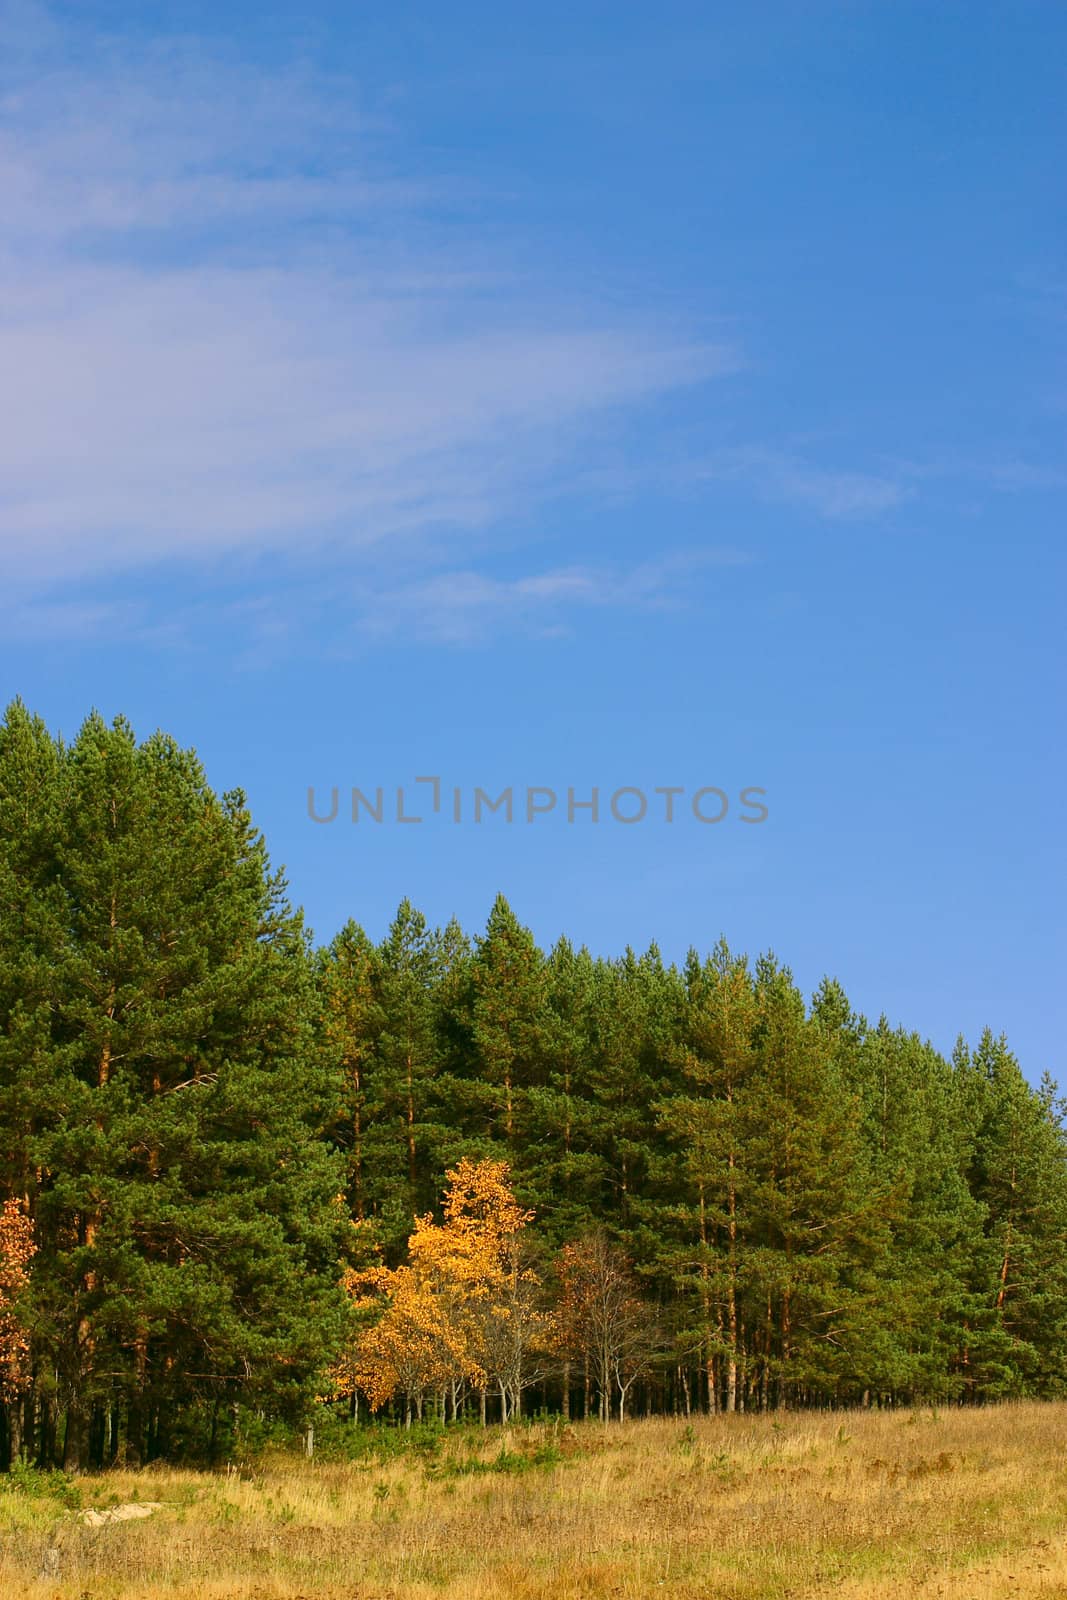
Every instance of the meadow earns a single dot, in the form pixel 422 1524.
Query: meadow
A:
pixel 953 1504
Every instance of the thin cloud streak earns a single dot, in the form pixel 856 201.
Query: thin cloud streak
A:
pixel 782 476
pixel 345 612
pixel 469 608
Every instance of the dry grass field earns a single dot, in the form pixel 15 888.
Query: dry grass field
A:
pixel 954 1505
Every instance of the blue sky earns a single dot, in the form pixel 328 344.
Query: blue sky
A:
pixel 567 396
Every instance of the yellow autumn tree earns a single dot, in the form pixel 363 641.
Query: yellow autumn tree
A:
pixel 16 1251
pixel 415 1348
pixel 459 1313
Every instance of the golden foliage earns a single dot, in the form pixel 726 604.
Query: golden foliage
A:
pixel 16 1251
pixel 443 1309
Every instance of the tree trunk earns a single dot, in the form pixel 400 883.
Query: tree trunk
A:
pixel 357 1143
pixel 73 1438
pixel 783 1388
pixel 731 1292
pixel 412 1170
pixel 13 1416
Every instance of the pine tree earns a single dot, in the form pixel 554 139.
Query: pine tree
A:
pixel 183 1200
pixel 815 1220
pixel 918 1137
pixel 508 1018
pixel 718 1055
pixel 351 1021
pixel 1020 1178
pixel 563 1174
pixel 402 1134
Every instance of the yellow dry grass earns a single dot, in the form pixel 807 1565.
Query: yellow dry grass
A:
pixel 949 1505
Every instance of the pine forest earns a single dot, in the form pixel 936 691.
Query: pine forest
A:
pixel 251 1186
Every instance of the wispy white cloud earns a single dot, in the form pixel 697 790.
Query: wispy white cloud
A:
pixel 1004 472
pixel 469 607
pixel 788 477
pixel 198 412
pixel 227 325
pixel 266 617
pixel 43 621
